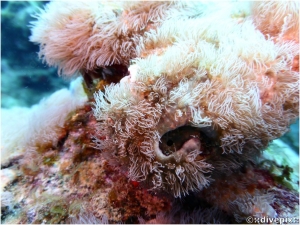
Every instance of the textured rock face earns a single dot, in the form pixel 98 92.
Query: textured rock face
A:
pixel 183 97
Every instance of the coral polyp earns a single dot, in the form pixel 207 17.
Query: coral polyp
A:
pixel 238 104
pixel 175 120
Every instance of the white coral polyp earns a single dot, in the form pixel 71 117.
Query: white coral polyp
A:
pixel 222 75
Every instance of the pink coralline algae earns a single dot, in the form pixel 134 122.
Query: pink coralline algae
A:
pixel 179 104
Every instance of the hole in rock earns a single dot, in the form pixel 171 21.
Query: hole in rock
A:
pixel 173 140
pixel 170 142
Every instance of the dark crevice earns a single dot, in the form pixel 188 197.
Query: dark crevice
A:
pixel 62 140
pixel 173 140
pixel 110 74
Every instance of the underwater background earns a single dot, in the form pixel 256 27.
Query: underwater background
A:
pixel 25 79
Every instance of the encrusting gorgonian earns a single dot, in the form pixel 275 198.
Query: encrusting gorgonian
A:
pixel 208 88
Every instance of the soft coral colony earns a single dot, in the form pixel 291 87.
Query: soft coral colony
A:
pixel 179 100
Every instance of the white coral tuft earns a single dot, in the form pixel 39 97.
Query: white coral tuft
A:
pixel 237 88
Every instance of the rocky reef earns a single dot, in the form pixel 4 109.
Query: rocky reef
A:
pixel 174 116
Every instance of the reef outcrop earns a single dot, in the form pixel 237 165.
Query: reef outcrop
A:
pixel 188 96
